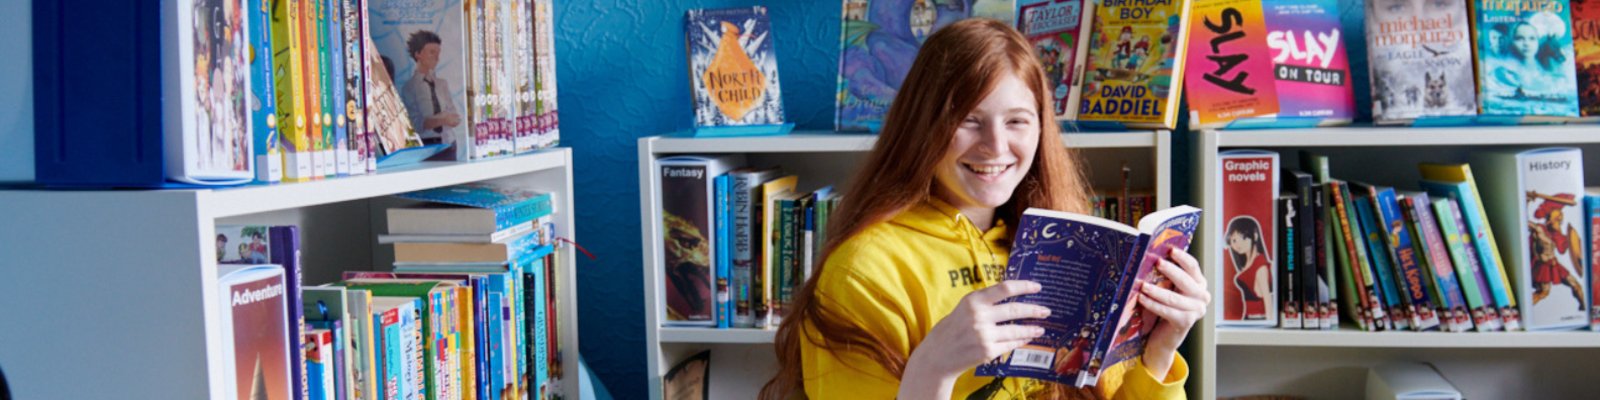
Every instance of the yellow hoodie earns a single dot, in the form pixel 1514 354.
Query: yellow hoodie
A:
pixel 898 278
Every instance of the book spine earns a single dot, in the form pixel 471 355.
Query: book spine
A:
pixel 325 150
pixel 1381 264
pixel 519 324
pixel 290 95
pixel 1327 296
pixel 1428 280
pixel 760 264
pixel 310 81
pixel 743 187
pixel 1592 246
pixel 1444 268
pixel 785 236
pixel 263 119
pixel 538 348
pixel 525 212
pixel 1372 314
pixel 1409 269
pixel 285 248
pixel 1288 272
pixel 808 243
pixel 336 90
pixel 724 250
pixel 1306 260
pixel 1483 242
pixel 354 83
pixel 1472 280
pixel 467 343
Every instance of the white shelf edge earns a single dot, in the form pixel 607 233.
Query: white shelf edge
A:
pixel 262 198
pixel 1401 339
pixel 823 141
pixel 713 335
pixel 1359 136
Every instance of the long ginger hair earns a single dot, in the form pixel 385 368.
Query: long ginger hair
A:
pixel 955 69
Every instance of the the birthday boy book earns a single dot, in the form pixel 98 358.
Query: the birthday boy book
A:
pixel 1092 270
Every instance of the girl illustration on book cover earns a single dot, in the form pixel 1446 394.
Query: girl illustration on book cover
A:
pixel 1248 255
pixel 1531 71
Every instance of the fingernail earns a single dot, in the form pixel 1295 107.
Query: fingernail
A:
pixel 1035 286
pixel 1044 313
pixel 1037 331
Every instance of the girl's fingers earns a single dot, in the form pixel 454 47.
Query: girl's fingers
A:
pixel 1164 311
pixel 1011 312
pixel 1180 279
pixel 1011 333
pixel 1003 290
pixel 1171 299
pixel 1189 264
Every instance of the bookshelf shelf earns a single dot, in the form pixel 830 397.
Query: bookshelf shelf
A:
pixel 1231 361
pixel 135 269
pixel 829 142
pixel 706 335
pixel 1441 340
pixel 1406 136
pixel 743 358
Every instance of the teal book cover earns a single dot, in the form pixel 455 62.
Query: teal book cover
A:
pixel 1525 58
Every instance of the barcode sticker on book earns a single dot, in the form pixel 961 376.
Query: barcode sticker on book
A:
pixel 1032 358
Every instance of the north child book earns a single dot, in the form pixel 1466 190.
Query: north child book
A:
pixel 1586 46
pixel 878 40
pixel 1525 59
pixel 1534 198
pixel 1230 67
pixel 733 70
pixel 1092 271
pixel 1249 182
pixel 1420 53
pixel 1057 29
pixel 1309 61
pixel 1136 66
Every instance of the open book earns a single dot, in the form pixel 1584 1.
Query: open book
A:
pixel 1091 270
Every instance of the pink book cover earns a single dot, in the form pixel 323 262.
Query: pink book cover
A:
pixel 1230 65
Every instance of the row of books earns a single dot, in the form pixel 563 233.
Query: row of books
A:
pixel 298 90
pixel 1301 245
pixel 456 327
pixel 1124 207
pixel 736 240
pixel 1257 63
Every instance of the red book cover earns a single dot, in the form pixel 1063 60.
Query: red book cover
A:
pixel 1249 182
pixel 256 306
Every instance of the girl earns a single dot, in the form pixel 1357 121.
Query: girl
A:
pixel 903 303
pixel 1252 270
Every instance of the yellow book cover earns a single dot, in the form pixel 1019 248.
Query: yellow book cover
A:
pixel 1135 72
pixel 1463 173
pixel 289 72
pixel 761 298
pixel 466 380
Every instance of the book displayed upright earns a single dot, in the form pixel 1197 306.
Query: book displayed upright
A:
pixel 1249 182
pixel 1421 60
pixel 427 42
pixel 1136 64
pixel 544 57
pixel 252 301
pixel 1059 32
pixel 1230 75
pixel 1591 218
pixel 1534 199
pixel 1524 59
pixel 1586 53
pixel 1093 322
pixel 877 41
pixel 1435 253
pixel 733 70
pixel 745 193
pixel 1310 64
pixel 687 249
pixel 1480 300
pixel 208 130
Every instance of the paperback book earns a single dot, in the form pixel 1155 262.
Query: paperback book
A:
pixel 1249 182
pixel 427 43
pixel 1525 61
pixel 1230 71
pixel 252 303
pixel 1586 49
pixel 878 40
pixel 479 208
pixel 686 251
pixel 1310 65
pixel 1534 198
pixel 1455 181
pixel 263 105
pixel 1591 208
pixel 1136 66
pixel 733 70
pixel 1092 271
pixel 1421 58
pixel 208 138
pixel 1058 31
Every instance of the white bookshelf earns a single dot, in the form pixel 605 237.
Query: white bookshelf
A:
pixel 1227 362
pixel 743 359
pixel 110 286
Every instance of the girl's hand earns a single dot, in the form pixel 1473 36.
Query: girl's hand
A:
pixel 969 336
pixel 1178 308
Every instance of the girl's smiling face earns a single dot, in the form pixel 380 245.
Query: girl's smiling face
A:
pixel 992 149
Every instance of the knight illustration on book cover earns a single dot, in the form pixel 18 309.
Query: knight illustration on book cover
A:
pixel 1556 244
pixel 733 69
pixel 1525 58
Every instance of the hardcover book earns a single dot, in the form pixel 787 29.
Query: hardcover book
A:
pixel 1525 60
pixel 1309 62
pixel 1249 182
pixel 257 363
pixel 1094 321
pixel 1230 73
pixel 1537 195
pixel 1058 31
pixel 878 40
pixel 1421 60
pixel 208 138
pixel 1586 49
pixel 427 43
pixel 733 71
pixel 1132 85
pixel 686 248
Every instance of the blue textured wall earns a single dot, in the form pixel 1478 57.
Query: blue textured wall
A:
pixel 623 76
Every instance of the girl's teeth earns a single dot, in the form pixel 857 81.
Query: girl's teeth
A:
pixel 987 170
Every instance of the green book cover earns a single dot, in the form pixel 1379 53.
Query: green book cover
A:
pixel 433 295
pixel 1357 244
pixel 1335 230
pixel 1458 255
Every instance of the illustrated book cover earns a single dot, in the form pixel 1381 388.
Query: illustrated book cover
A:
pixel 1586 49
pixel 1230 66
pixel 253 306
pixel 1534 198
pixel 686 247
pixel 1525 59
pixel 426 41
pixel 733 70
pixel 1091 270
pixel 208 140
pixel 1136 63
pixel 1406 37
pixel 1058 31
pixel 1249 182
pixel 1310 61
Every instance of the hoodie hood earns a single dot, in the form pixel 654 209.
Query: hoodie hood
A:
pixel 942 221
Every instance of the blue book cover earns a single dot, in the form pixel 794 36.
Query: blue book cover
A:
pixel 733 71
pixel 538 349
pixel 1591 208
pixel 1171 231
pixel 724 254
pixel 1404 256
pixel 1083 263
pixel 879 39
pixel 1378 255
pixel 1485 314
pixel 1525 60
pixel 511 206
pixel 262 102
pixel 1462 194
pixel 336 76
pixel 1438 252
